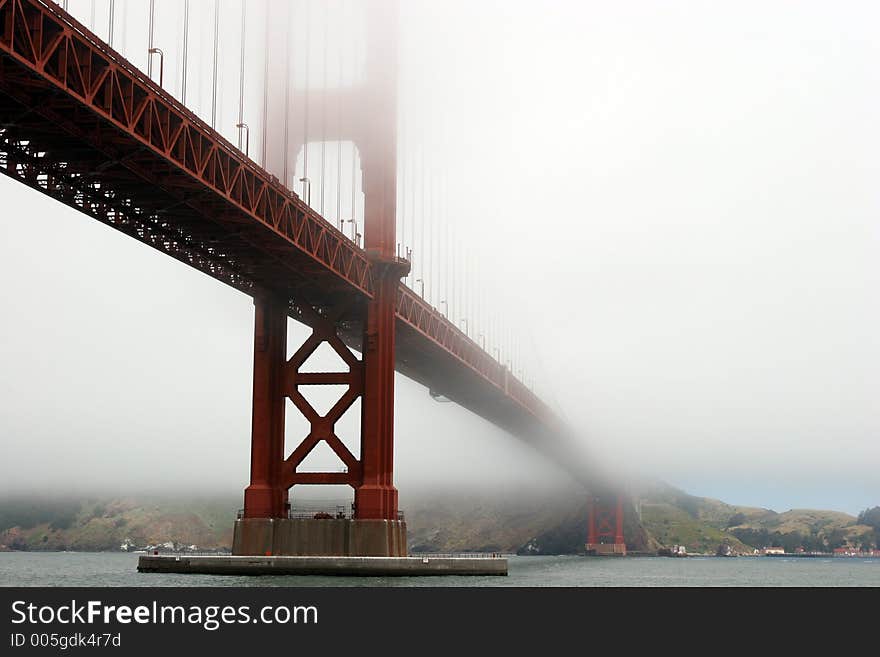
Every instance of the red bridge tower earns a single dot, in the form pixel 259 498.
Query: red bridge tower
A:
pixel 605 530
pixel 376 529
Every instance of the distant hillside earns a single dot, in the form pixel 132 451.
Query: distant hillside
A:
pixel 103 524
pixel 674 517
pixel 662 516
pixel 445 522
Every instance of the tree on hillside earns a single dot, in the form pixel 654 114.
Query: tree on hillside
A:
pixel 736 519
pixel 870 517
pixel 837 539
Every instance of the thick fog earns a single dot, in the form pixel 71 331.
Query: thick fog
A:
pixel 664 215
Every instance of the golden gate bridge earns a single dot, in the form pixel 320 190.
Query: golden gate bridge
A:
pixel 266 145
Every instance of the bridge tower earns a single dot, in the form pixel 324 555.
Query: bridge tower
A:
pixel 605 526
pixel 376 529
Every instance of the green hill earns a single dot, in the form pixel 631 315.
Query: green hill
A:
pixel 700 524
pixel 546 523
pixel 99 524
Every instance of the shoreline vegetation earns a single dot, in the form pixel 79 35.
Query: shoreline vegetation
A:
pixel 662 521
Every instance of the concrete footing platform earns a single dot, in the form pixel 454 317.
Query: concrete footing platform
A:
pixel 300 565
pixel 319 538
pixel 606 549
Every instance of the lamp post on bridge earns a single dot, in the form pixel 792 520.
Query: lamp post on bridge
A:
pixel 465 322
pixel 421 283
pixel 445 307
pixel 158 51
pixel 307 190
pixel 354 229
pixel 247 137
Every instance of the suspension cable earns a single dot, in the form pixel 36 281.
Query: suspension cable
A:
pixel 339 139
pixel 412 196
pixel 324 106
pixel 446 242
pixel 456 258
pixel 308 47
pixel 241 70
pixel 150 46
pixel 286 141
pixel 432 237
pixel 422 222
pixel 185 53
pixel 110 25
pixel 266 52
pixel 350 120
pixel 401 189
pixel 216 45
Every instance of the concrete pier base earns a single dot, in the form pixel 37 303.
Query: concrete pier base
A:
pixel 347 566
pixel 606 549
pixel 319 538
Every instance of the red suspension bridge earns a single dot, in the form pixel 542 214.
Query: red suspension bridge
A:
pixel 83 125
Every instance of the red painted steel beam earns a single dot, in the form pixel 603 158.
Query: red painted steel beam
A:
pixel 266 497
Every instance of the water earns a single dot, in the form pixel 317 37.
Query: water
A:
pixel 120 569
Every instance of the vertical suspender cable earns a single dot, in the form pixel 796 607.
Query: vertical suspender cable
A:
pixel 452 296
pixel 150 46
pixel 429 233
pixel 446 260
pixel 472 289
pixel 324 107
pixel 308 46
pixel 110 24
pixel 412 198
pixel 92 17
pixel 350 112
pixel 285 168
pixel 185 54
pixel 422 222
pixel 216 53
pixel 402 186
pixel 465 291
pixel 241 71
pixel 353 187
pixel 266 50
pixel 339 135
pixel 124 21
pixel 351 123
pixel 434 272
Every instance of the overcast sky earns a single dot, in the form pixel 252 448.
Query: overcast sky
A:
pixel 675 202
